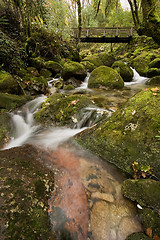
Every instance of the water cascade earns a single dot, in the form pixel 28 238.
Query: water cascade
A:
pixel 137 79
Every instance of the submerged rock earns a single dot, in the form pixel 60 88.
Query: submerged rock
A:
pixel 105 77
pixel 129 134
pixel 124 70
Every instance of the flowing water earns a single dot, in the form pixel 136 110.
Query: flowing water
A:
pixel 87 202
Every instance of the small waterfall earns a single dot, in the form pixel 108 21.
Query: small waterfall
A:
pixel 84 85
pixel 137 79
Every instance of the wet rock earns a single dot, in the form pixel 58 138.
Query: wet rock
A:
pixel 103 196
pixel 155 63
pixel 54 67
pixel 141 63
pixel 74 69
pixel 129 134
pixel 10 101
pixel 25 188
pixel 62 110
pixel 124 70
pixel 153 81
pixel 105 77
pixel 46 73
pixel 8 84
pixel 146 192
pixel 152 72
pixel 138 236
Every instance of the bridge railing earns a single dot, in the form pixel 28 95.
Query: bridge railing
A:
pixel 104 32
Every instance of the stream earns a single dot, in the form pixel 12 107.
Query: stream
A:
pixel 87 202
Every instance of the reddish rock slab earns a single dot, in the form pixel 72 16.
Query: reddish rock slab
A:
pixel 68 205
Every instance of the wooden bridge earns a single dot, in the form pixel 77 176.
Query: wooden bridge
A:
pixel 105 35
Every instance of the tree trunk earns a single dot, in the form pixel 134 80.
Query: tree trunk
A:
pixel 151 23
pixel 79 19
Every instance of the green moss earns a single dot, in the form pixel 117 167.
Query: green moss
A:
pixel 88 66
pixel 152 72
pixel 141 63
pixel 10 101
pixel 8 84
pixel 4 127
pixel 129 135
pixel 46 73
pixel 37 62
pixel 153 81
pixel 146 192
pixel 106 77
pixel 69 87
pixel 155 63
pixel 151 220
pixel 124 70
pixel 24 195
pixel 94 59
pixel 60 109
pixel 54 67
pixel 33 71
pixel 138 236
pixel 74 69
pixel 107 59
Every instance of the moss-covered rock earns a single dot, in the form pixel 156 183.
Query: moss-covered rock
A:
pixel 124 70
pixel 4 127
pixel 152 72
pixel 45 73
pixel 153 81
pixel 151 222
pixel 26 186
pixel 155 63
pixel 146 192
pixel 58 83
pixel 138 236
pixel 54 67
pixel 106 77
pixel 94 59
pixel 130 134
pixel 8 84
pixel 88 66
pixel 74 69
pixel 37 62
pixel 107 59
pixel 141 63
pixel 33 71
pixel 69 87
pixel 62 110
pixel 10 101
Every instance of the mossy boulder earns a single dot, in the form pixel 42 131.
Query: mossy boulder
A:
pixel 54 67
pixel 138 236
pixel 129 134
pixel 141 63
pixel 105 77
pixel 152 72
pixel 10 101
pixel 26 186
pixel 74 69
pixel 62 110
pixel 107 59
pixel 8 84
pixel 146 192
pixel 37 62
pixel 124 70
pixel 69 87
pixel 88 66
pixel 33 71
pixel 94 59
pixel 155 63
pixel 45 73
pixel 153 81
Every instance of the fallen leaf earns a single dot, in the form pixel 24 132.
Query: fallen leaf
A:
pixel 154 94
pixel 74 102
pixel 133 112
pixel 146 89
pixel 156 89
pixel 149 232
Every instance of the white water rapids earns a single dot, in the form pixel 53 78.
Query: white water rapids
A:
pixel 25 130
